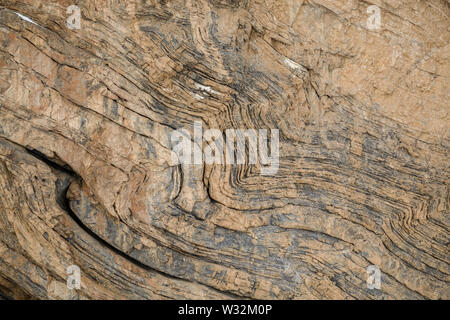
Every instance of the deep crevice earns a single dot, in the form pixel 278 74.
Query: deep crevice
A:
pixel 53 163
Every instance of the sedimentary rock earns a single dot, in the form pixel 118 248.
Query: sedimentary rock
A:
pixel 87 178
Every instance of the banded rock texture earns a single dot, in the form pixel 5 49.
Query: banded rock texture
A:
pixel 86 177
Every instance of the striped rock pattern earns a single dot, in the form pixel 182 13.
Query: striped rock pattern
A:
pixel 86 176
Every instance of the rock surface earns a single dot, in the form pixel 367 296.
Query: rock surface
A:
pixel 86 179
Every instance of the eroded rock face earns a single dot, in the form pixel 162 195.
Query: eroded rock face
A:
pixel 87 179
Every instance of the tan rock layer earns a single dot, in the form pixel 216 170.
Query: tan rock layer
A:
pixel 86 177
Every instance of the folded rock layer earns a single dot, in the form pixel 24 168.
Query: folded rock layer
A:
pixel 87 176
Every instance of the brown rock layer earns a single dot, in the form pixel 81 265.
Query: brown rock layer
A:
pixel 86 176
